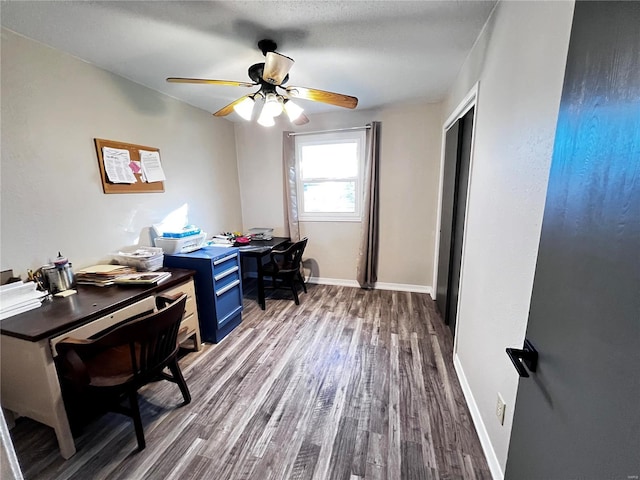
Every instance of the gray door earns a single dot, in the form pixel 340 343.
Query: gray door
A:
pixel 578 415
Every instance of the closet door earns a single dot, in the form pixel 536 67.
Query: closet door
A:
pixel 454 203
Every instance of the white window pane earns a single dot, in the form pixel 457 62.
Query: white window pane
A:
pixel 330 197
pixel 335 160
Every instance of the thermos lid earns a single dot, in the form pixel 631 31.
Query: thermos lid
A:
pixel 60 261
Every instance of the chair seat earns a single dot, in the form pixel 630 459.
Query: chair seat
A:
pixel 272 267
pixel 111 367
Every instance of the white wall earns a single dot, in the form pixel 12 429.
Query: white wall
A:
pixel 53 106
pixel 519 60
pixel 410 155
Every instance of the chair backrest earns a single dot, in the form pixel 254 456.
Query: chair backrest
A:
pixel 298 250
pixel 155 335
pixel 292 256
pixel 152 340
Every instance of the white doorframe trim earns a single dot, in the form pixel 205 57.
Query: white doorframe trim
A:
pixel 470 100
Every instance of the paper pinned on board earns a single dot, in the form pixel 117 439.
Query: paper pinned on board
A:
pixel 151 166
pixel 116 165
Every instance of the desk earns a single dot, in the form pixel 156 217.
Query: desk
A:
pixel 29 380
pixel 259 249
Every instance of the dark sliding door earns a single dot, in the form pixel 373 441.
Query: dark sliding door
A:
pixel 454 202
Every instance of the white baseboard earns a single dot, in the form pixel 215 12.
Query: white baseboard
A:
pixel 485 441
pixel 403 287
pixel 400 287
pixel 341 282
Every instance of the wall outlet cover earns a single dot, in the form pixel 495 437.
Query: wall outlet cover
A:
pixel 500 408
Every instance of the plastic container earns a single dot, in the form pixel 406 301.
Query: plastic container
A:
pixel 143 259
pixel 185 232
pixel 181 245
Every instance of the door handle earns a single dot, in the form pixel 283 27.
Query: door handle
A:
pixel 528 355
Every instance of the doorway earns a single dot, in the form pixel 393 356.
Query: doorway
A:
pixel 455 182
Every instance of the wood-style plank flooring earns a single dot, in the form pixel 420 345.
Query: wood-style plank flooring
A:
pixel 350 384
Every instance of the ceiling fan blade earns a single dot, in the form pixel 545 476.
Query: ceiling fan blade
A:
pixel 226 110
pixel 276 67
pixel 337 99
pixel 301 120
pixel 210 82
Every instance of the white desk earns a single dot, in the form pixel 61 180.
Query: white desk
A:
pixel 28 377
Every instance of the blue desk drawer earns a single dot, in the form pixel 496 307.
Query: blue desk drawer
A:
pixel 221 264
pixel 228 300
pixel 226 277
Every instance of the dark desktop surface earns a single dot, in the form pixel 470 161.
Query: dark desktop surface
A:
pixel 260 247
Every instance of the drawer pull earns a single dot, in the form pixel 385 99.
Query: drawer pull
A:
pixel 224 259
pixel 227 288
pixel 226 273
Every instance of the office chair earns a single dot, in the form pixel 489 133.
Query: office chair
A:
pixel 284 266
pixel 114 365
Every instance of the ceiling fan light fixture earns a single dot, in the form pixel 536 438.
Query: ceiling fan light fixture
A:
pixel 293 110
pixel 267 76
pixel 245 108
pixel 265 119
pixel 272 106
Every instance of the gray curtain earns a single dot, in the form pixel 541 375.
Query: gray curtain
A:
pixel 290 191
pixel 367 270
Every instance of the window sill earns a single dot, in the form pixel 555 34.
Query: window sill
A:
pixel 330 219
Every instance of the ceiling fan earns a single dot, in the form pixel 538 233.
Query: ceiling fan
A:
pixel 270 76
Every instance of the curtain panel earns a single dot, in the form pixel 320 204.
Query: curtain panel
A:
pixel 292 223
pixel 367 268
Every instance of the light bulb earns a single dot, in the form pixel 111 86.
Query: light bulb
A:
pixel 245 108
pixel 293 110
pixel 271 105
pixel 265 119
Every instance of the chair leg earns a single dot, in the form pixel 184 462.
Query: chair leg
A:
pixel 295 291
pixel 137 420
pixel 304 285
pixel 177 375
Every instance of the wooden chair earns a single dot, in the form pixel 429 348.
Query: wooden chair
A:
pixel 114 365
pixel 284 266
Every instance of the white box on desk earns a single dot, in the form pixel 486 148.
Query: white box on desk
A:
pixel 181 245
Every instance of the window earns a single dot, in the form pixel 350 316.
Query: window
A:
pixel 329 170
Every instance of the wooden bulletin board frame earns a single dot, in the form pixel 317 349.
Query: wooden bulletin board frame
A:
pixel 134 153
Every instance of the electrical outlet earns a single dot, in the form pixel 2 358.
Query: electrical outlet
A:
pixel 500 408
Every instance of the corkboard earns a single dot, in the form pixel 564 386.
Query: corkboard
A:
pixel 134 153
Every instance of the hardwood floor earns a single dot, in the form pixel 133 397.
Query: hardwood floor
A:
pixel 350 384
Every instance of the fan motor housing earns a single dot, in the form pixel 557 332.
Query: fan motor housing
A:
pixel 267 45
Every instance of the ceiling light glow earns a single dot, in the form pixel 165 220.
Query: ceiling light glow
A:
pixel 293 110
pixel 266 120
pixel 245 108
pixel 272 106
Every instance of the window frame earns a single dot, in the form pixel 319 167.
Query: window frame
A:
pixel 357 136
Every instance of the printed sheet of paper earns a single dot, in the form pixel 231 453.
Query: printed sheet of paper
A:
pixel 116 165
pixel 151 167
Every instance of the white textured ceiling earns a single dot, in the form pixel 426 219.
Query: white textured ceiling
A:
pixel 383 52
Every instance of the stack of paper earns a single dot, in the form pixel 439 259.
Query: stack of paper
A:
pixel 146 278
pixel 102 275
pixel 19 297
